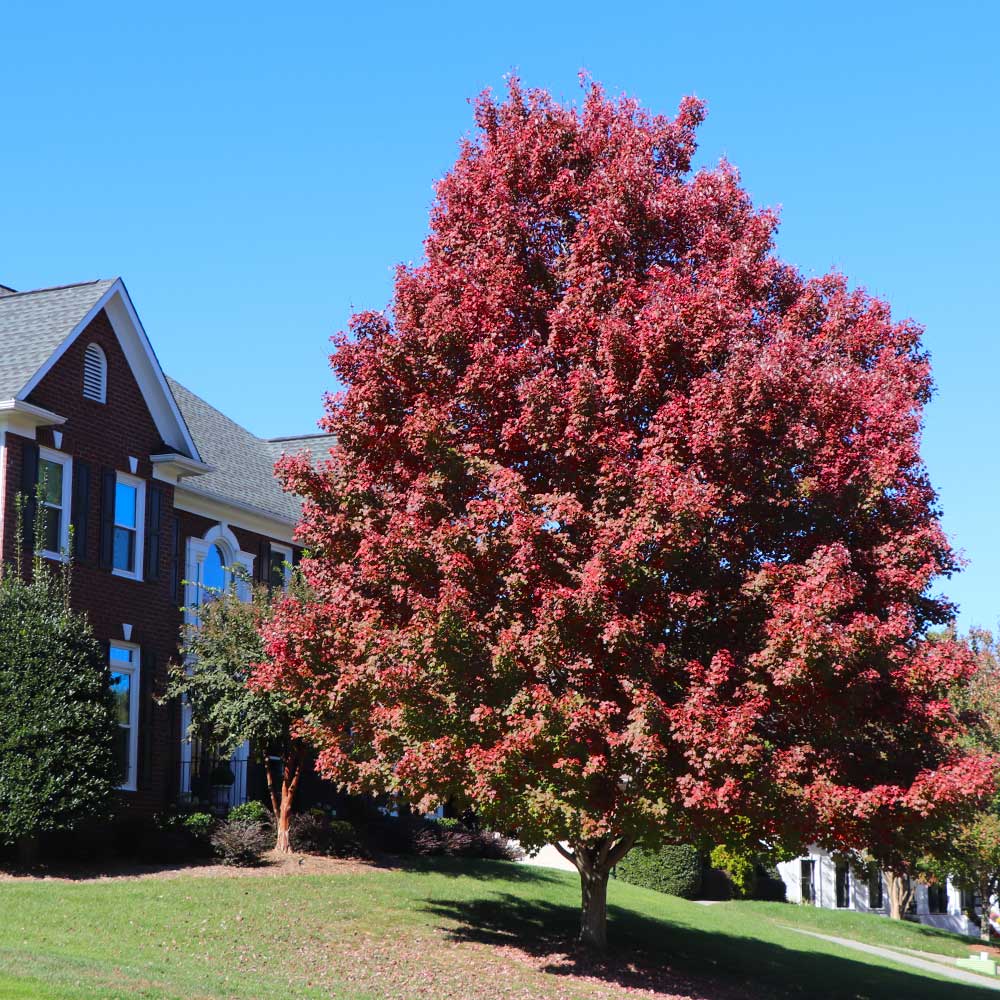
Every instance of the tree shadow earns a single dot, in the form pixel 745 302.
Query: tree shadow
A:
pixel 659 956
pixel 474 868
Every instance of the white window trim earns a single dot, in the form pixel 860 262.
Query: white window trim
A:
pixel 286 552
pixel 134 670
pixel 197 551
pixel 140 525
pixel 60 458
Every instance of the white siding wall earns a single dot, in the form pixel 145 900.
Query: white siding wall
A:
pixel 826 894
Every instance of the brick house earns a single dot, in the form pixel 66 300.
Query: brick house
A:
pixel 164 493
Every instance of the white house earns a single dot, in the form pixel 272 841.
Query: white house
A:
pixel 821 879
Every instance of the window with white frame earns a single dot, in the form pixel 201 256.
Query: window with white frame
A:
pixel 54 476
pixel 125 689
pixel 130 496
pixel 280 570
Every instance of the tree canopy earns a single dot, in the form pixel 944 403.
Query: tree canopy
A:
pixel 626 531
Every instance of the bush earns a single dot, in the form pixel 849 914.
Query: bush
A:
pixel 57 722
pixel 738 866
pixel 242 842
pixel 251 812
pixel 674 869
pixel 199 825
pixel 314 832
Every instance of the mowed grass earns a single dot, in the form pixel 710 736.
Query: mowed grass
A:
pixel 448 929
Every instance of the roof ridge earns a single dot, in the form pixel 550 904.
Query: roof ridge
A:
pixel 299 437
pixel 54 288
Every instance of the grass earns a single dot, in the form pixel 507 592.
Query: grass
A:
pixel 448 929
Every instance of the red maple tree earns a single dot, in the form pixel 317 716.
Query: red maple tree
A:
pixel 626 533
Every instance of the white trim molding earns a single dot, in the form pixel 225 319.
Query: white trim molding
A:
pixel 25 418
pixel 239 515
pixel 142 360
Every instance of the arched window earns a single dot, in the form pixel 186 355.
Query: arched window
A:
pixel 95 374
pixel 213 570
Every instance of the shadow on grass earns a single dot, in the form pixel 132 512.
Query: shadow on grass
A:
pixel 456 867
pixel 651 954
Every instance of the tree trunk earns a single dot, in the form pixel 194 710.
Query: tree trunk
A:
pixel 900 894
pixel 594 912
pixel 984 909
pixel 594 862
pixel 283 799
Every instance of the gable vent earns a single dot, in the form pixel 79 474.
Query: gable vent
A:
pixel 95 374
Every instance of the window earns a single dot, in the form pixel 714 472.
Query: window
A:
pixel 279 570
pixel 127 547
pixel 807 875
pixel 95 374
pixel 937 898
pixel 876 899
pixel 214 577
pixel 54 478
pixel 842 884
pixel 125 688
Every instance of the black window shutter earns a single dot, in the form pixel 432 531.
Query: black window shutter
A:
pixel 81 508
pixel 108 482
pixel 147 719
pixel 154 519
pixel 175 562
pixel 29 482
pixel 264 562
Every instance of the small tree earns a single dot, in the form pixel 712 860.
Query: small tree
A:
pixel 968 850
pixel 220 646
pixel 57 713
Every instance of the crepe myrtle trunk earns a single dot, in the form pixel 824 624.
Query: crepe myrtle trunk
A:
pixel 901 893
pixel 283 796
pixel 594 861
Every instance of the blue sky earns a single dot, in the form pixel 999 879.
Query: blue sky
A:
pixel 255 171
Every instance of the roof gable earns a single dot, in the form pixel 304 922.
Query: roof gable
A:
pixel 36 329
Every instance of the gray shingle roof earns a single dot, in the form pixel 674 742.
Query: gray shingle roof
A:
pixel 318 445
pixel 243 464
pixel 34 324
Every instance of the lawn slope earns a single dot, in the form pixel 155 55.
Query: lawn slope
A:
pixel 450 930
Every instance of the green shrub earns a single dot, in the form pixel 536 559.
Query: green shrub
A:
pixel 738 865
pixel 57 722
pixel 674 869
pixel 251 812
pixel 344 841
pixel 199 825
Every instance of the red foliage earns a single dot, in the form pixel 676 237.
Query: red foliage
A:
pixel 626 528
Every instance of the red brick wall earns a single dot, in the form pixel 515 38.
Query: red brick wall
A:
pixel 105 436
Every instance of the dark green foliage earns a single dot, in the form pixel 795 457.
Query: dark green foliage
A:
pixel 252 812
pixel 199 825
pixel 674 869
pixel 57 723
pixel 242 842
pixel 314 832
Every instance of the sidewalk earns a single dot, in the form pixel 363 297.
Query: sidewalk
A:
pixel 901 957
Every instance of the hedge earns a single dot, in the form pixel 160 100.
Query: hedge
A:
pixel 674 869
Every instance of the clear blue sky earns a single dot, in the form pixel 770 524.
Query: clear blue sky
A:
pixel 255 171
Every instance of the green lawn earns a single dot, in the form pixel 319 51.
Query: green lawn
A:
pixel 452 929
